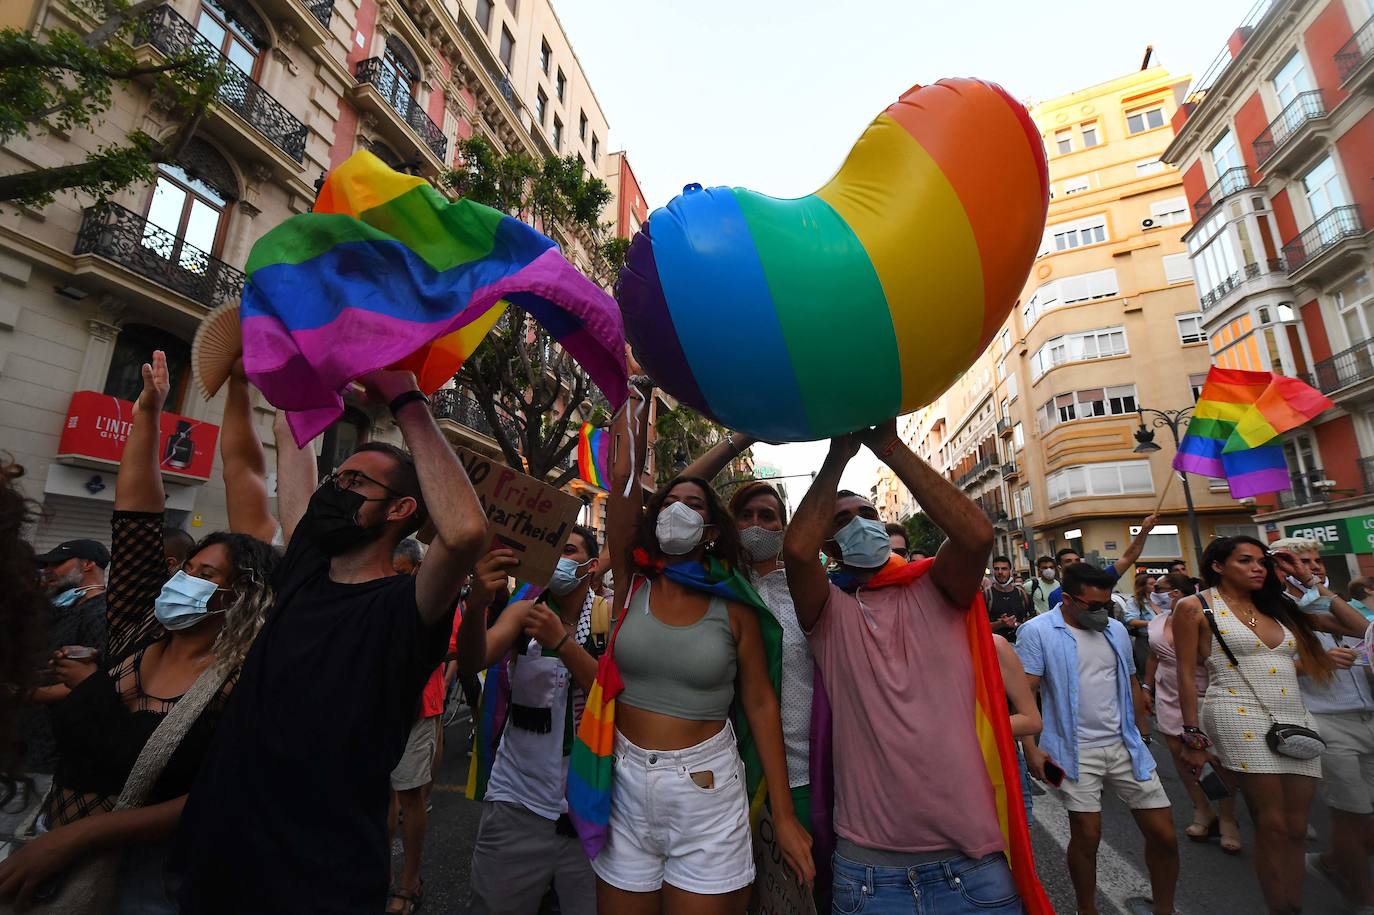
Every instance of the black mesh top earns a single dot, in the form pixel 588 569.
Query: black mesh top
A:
pixel 102 726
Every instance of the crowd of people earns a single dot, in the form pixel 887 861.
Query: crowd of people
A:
pixel 241 724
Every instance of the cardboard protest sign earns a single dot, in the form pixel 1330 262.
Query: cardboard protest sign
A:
pixel 776 891
pixel 526 515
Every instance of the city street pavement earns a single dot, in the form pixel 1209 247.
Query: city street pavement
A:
pixel 1210 882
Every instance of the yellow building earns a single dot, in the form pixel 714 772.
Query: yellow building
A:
pixel 1040 429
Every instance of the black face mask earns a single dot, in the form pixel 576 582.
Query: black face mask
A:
pixel 334 526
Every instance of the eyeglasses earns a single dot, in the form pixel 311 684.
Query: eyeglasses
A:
pixel 349 480
pixel 900 551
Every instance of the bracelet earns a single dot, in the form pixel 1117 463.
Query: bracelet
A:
pixel 1194 739
pixel 557 647
pixel 406 398
pixel 1148 687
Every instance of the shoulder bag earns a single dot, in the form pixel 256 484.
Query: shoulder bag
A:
pixel 1291 740
pixel 91 884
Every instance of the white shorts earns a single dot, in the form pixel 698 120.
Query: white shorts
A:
pixel 665 828
pixel 1110 765
pixel 1348 760
pixel 416 768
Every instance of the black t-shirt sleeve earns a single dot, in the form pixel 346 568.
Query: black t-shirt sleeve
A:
pixel 303 558
pixel 415 647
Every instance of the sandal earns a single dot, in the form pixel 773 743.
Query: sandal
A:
pixel 410 902
pixel 1201 832
pixel 1230 837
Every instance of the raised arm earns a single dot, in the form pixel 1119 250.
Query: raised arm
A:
pixel 630 427
pixel 297 476
pixel 961 559
pixel 810 528
pixel 138 486
pixel 713 462
pixel 244 463
pixel 460 524
pixel 1133 551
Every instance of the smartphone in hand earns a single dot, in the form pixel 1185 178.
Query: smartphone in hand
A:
pixel 1211 783
pixel 1053 774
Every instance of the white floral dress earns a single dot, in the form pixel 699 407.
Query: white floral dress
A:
pixel 1232 715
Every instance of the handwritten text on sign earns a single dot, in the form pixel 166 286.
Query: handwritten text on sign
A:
pixel 776 891
pixel 530 517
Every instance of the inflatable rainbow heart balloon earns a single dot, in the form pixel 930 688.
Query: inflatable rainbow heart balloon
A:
pixel 802 319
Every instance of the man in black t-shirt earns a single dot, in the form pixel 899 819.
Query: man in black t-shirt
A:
pixel 288 814
pixel 1008 604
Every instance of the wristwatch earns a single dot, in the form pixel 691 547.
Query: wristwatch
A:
pixel 402 400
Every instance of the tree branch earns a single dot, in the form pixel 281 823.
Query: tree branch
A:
pixel 116 20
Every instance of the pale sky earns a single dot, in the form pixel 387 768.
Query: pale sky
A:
pixel 770 95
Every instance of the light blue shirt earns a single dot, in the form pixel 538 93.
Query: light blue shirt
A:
pixel 1049 651
pixel 1131 609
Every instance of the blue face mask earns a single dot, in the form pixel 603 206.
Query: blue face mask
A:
pixel 565 578
pixel 864 543
pixel 184 601
pixel 70 596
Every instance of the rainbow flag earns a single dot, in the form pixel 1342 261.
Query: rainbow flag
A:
pixel 593 456
pixel 487 729
pixel 387 272
pixel 1235 424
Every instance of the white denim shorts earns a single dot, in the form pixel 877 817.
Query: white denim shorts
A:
pixel 665 828
pixel 1110 767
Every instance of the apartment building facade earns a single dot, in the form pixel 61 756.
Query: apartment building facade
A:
pixel 87 292
pixel 1040 431
pixel 1276 146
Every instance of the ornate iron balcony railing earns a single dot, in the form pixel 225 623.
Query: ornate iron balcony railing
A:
pixel 393 87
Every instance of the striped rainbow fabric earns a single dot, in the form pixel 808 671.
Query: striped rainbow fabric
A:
pixel 593 456
pixel 386 271
pixel 768 315
pixel 1235 424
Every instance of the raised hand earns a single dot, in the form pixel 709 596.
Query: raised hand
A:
pixel 385 385
pixel 156 384
pixel 844 447
pixel 880 437
pixel 489 577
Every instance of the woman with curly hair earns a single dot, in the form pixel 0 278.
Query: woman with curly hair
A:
pixel 698 721
pixel 21 620
pixel 169 639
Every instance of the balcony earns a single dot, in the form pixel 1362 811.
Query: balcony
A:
pixel 1355 59
pixel 1232 181
pixel 976 471
pixel 1291 135
pixel 1327 246
pixel 164 29
pixel 460 407
pixel 1347 368
pixel 133 243
pixel 1009 469
pixel 382 89
pixel 1004 427
pixel 1271 269
pixel 306 22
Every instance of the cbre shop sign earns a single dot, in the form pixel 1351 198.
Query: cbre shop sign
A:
pixel 1337 535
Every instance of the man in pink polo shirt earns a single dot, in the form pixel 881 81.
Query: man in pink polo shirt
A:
pixel 915 815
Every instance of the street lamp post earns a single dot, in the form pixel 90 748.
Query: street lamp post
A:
pixel 1173 420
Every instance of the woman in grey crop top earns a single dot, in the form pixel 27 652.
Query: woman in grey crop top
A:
pixel 688 657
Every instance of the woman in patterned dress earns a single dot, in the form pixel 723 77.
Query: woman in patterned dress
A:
pixel 1269 639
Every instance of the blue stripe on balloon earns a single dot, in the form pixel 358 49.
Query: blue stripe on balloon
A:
pixel 741 363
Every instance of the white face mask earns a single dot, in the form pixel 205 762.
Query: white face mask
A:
pixel 1162 600
pixel 761 545
pixel 679 529
pixel 1047 574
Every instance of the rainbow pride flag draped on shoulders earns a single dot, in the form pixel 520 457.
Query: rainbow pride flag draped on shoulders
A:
pixel 991 724
pixel 387 272
pixel 590 771
pixel 1235 427
pixel 594 456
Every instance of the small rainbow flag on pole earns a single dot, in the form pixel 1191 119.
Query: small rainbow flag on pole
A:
pixel 593 456
pixel 1236 423
pixel 387 272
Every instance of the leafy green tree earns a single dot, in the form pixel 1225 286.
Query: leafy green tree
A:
pixel 62 80
pixel 922 533
pixel 683 435
pixel 533 395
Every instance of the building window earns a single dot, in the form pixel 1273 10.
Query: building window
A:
pixel 400 74
pixel 1111 478
pixel 191 211
pixel 1076 185
pixel 1093 344
pixel 596 149
pixel 125 376
pixel 342 439
pixel 484 11
pixel 1291 80
pixel 1148 167
pixel 1322 187
pixel 1018 437
pixel 1355 302
pixel 507 47
pixel 1195 383
pixel 541 105
pixel 1225 154
pixel 1063 141
pixel 582 126
pixel 1006 341
pixel 1177 268
pixel 1118 400
pixel 560 86
pixel 1089 134
pixel 1169 212
pixel 545 56
pixel 1011 385
pixel 1143 119
pixel 1026 499
pixel 1090 231
pixel 1068 290
pixel 1190 328
pixel 239 36
pixel 557 133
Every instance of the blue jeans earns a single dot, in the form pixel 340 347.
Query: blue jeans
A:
pixel 951 887
pixel 1025 785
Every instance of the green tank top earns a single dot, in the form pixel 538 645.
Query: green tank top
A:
pixel 683 671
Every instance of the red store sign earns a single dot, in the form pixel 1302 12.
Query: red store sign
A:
pixel 98 425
